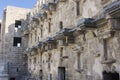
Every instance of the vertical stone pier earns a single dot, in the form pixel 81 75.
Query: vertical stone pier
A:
pixel 3 71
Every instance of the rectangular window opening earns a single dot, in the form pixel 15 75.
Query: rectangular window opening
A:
pixel 38 39
pixel 61 73
pixel 105 49
pixel 78 60
pixel 61 25
pixel 41 30
pixel 17 41
pixel 0 27
pixel 61 52
pixel 49 27
pixel 77 8
pixel 17 24
pixel 17 69
pixel 41 74
pixel 49 76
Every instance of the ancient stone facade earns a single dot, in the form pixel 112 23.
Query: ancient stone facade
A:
pixel 67 40
pixel 73 40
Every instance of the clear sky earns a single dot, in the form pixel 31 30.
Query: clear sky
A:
pixel 17 3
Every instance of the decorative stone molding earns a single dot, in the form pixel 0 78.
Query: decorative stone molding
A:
pixel 86 23
pixel 112 7
pixel 108 61
pixel 78 31
pixel 100 19
pixel 63 33
pixel 64 36
pixel 81 1
pixel 51 43
pixel 62 0
pixel 42 46
pixel 114 22
pixel 44 7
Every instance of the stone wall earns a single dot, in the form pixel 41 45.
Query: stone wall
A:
pixel 95 39
pixel 13 55
pixel 64 40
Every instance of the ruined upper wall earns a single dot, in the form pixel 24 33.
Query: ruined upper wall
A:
pixel 15 13
pixel 11 14
pixel 64 11
pixel 88 8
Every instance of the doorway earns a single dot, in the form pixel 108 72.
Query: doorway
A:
pixel 12 78
pixel 61 73
pixel 110 75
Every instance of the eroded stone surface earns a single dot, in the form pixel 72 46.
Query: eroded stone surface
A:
pixel 85 53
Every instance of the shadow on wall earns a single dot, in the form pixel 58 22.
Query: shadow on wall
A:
pixel 13 47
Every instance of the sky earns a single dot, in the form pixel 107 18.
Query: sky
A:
pixel 18 3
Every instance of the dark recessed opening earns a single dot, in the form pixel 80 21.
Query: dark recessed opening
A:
pixel 110 75
pixel 105 49
pixel 61 25
pixel 38 38
pixel 41 30
pixel 61 51
pixel 12 78
pixel 77 8
pixel 18 24
pixel 61 73
pixel 0 28
pixel 17 41
pixel 17 69
pixel 49 27
pixel 41 74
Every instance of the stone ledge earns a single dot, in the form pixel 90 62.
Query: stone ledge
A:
pixel 108 61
